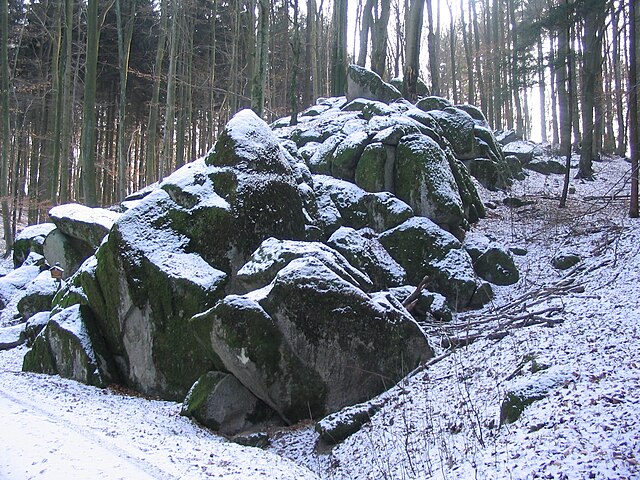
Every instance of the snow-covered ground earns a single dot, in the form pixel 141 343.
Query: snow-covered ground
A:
pixel 580 352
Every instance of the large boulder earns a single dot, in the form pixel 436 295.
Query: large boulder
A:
pixel 521 149
pixel 65 251
pixel 87 224
pixel 357 208
pixel 458 127
pixel 176 253
pixel 364 251
pixel 273 255
pixel 424 249
pixel 38 295
pixel 491 261
pixel 363 83
pixel 64 347
pixel 220 402
pixel 312 342
pixel 31 239
pixel 424 180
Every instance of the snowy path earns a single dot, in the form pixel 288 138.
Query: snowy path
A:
pixel 53 444
pixel 54 428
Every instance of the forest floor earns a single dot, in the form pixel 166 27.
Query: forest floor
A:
pixel 571 337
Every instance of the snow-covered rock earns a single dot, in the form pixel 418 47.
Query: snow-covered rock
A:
pixel 364 251
pixel 219 401
pixel 29 240
pixel 64 347
pixel 424 249
pixel 65 251
pixel 424 180
pixel 38 295
pixel 363 83
pixel 87 224
pixel 273 255
pixel 311 342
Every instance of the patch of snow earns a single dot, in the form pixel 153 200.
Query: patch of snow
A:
pixel 84 214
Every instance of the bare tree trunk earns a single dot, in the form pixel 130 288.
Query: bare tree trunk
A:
pixel 433 52
pixel 413 35
pixel 295 47
pixel 262 52
pixel 591 67
pixel 367 20
pixel 151 157
pixel 471 96
pixel 379 39
pixel 634 46
pixel 542 91
pixel 339 48
pixel 4 164
pixel 125 34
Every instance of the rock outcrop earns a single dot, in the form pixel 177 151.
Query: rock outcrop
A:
pixel 259 284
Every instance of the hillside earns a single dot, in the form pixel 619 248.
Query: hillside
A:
pixel 567 337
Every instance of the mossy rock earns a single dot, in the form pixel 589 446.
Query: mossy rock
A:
pixel 363 250
pixel 421 87
pixel 565 260
pixel 475 113
pixel 433 103
pixel 65 251
pixel 220 402
pixel 89 225
pixel 424 180
pixel 363 83
pixel 320 161
pixel 359 209
pixel 31 239
pixel 496 265
pixel 335 428
pixel 38 296
pixel 273 255
pixel 370 174
pixel 458 128
pixel 347 154
pixel 424 249
pixel 472 204
pixel 252 348
pixel 429 306
pixel 64 347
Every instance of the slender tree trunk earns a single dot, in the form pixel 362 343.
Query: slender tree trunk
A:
pixel 542 91
pixel 312 50
pixel 413 35
pixel 5 164
pixel 471 95
pixel 365 28
pixel 617 78
pixel 151 157
pixel 379 39
pixel 339 48
pixel 433 52
pixel 634 29
pixel 452 47
pixel 592 40
pixel 553 76
pixel 478 59
pixel 125 34
pixel 262 52
pixel 166 163
pixel 67 104
pixel 88 146
pixel 564 112
pixel 295 47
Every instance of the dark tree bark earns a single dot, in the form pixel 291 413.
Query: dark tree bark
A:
pixel 634 29
pixel 339 48
pixel 591 69
pixel 413 35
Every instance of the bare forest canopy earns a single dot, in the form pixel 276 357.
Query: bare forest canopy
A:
pixel 103 97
